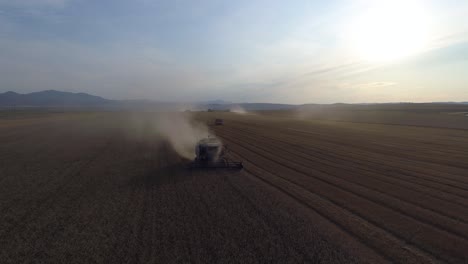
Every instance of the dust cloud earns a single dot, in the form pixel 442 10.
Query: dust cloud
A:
pixel 180 130
pixel 238 110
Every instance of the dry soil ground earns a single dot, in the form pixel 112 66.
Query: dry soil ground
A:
pixel 104 187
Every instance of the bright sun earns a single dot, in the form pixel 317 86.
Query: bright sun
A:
pixel 390 31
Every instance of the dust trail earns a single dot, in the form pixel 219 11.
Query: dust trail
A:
pixel 182 132
pixel 238 110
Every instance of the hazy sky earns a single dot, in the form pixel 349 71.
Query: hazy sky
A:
pixel 243 51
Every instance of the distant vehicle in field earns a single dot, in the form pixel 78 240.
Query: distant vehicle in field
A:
pixel 219 122
pixel 211 155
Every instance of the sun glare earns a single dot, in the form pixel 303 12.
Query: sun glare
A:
pixel 389 31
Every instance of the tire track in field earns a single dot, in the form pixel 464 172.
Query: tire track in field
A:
pixel 439 248
pixel 420 202
pixel 454 179
pixel 440 192
pixel 437 220
pixel 311 156
pixel 317 148
pixel 305 235
pixel 377 239
pixel 399 172
pixel 325 136
pixel 401 144
pixel 421 230
pixel 415 155
pixel 372 152
pixel 447 208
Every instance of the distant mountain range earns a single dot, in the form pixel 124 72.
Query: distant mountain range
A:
pixel 53 98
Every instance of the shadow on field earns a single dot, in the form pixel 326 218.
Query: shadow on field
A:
pixel 176 173
pixel 170 174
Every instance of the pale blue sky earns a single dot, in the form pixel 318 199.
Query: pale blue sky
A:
pixel 245 51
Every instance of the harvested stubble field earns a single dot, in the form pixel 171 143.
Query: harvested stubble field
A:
pixel 106 188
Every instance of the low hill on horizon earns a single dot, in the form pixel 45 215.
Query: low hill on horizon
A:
pixel 54 98
pixel 51 98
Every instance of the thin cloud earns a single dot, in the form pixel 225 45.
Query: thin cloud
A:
pixel 374 85
pixel 291 53
pixel 33 3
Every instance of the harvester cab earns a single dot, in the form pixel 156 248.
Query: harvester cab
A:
pixel 211 155
pixel 209 149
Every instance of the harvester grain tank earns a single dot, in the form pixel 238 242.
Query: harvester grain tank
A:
pixel 210 154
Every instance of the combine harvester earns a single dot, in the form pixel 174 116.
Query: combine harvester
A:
pixel 211 155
